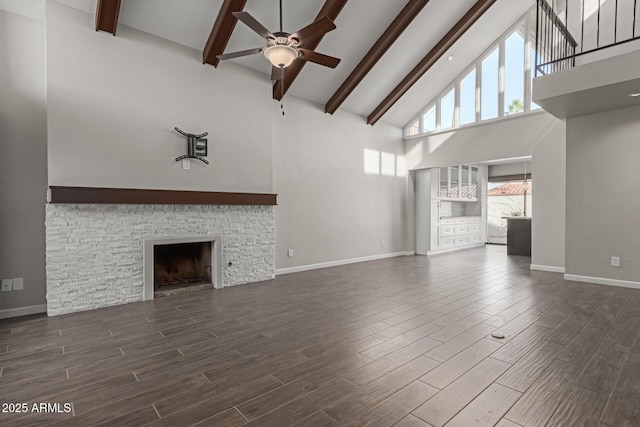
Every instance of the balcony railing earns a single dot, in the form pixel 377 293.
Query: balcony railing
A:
pixel 596 25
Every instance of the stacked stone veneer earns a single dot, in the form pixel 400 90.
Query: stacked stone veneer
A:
pixel 94 252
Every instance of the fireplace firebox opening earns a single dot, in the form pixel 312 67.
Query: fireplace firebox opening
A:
pixel 176 265
pixel 181 265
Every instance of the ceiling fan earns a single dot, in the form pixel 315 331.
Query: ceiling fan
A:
pixel 284 48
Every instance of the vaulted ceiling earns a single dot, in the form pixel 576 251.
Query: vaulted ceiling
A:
pixel 360 24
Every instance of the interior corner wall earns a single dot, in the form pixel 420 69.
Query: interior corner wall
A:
pixel 603 178
pixel 338 193
pixel 548 172
pixel 23 161
pixel 536 134
pixel 113 103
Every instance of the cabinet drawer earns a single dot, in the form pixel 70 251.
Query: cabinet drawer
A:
pixel 447 230
pixel 474 228
pixel 446 242
pixel 474 238
pixel 461 240
pixel 447 221
pixel 462 229
pixel 460 220
pixel 475 220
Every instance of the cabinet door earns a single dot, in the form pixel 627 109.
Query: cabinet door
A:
pixel 475 238
pixel 444 183
pixel 465 176
pixel 447 230
pixel 473 185
pixel 446 242
pixel 454 182
pixel 459 241
pixel 461 229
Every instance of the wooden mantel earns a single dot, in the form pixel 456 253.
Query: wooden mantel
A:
pixel 130 196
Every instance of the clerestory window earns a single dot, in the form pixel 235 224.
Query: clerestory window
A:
pixel 498 84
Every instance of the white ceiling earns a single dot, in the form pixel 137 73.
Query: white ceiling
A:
pixel 360 23
pixel 33 9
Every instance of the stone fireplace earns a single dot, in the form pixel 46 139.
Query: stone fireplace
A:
pixel 97 254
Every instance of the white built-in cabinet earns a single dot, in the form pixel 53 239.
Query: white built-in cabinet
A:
pixel 458 183
pixel 451 208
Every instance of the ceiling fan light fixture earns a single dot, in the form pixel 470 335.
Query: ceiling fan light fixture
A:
pixel 281 55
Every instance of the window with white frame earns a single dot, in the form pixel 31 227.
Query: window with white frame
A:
pixel 514 71
pixel 429 120
pixel 490 85
pixel 468 98
pixel 448 109
pixel 413 128
pixel 533 54
pixel 497 84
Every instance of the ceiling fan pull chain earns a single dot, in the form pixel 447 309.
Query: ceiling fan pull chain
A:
pixel 282 88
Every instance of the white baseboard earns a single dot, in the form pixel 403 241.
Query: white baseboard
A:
pixel 602 281
pixel 551 268
pixel 340 262
pixel 23 311
pixel 446 251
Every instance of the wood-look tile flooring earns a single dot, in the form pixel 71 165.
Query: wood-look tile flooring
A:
pixel 402 341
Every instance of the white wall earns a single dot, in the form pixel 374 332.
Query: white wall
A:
pixel 113 103
pixel 539 135
pixel 548 172
pixel 329 207
pixel 506 169
pixel 603 179
pixel 23 159
pixel 422 213
pixel 515 136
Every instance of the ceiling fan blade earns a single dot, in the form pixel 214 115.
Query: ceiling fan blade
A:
pixel 314 30
pixel 252 23
pixel 240 53
pixel 277 73
pixel 319 58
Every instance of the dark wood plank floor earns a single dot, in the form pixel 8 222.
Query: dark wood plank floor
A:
pixel 402 341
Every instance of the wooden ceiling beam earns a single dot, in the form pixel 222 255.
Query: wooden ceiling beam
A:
pixel 107 12
pixel 431 58
pixel 221 31
pixel 331 9
pixel 386 40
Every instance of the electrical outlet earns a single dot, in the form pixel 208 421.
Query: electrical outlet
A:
pixel 18 284
pixel 186 164
pixel 615 261
pixel 290 253
pixel 6 285
pixel 381 243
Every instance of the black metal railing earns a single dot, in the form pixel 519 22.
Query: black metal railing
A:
pixel 597 24
pixel 555 47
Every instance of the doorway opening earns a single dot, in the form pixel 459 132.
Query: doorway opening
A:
pixel 509 194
